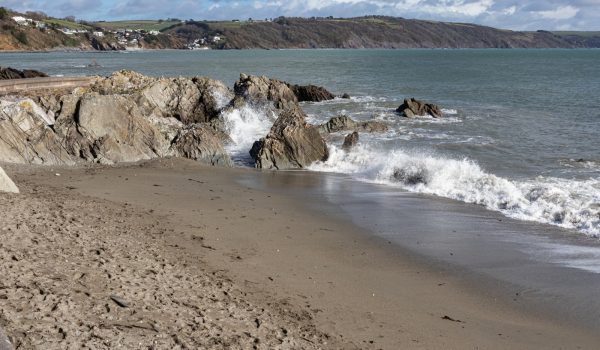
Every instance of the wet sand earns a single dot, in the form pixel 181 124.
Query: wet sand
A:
pixel 204 261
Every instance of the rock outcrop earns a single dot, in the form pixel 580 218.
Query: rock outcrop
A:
pixel 350 141
pixel 126 117
pixel 202 143
pixel 263 90
pixel 195 100
pixel 6 184
pixel 290 144
pixel 27 135
pixel 117 131
pixel 343 123
pixel 411 108
pixel 11 73
pixel 311 93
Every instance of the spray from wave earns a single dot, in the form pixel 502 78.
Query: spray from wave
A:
pixel 244 126
pixel 566 203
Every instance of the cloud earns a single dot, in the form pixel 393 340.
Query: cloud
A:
pixel 563 12
pixel 509 14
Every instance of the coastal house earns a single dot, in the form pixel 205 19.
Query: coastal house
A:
pixel 67 31
pixel 98 34
pixel 216 39
pixel 22 21
pixel 154 32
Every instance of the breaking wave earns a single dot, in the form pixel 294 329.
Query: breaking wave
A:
pixel 244 126
pixel 567 203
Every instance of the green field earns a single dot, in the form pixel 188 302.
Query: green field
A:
pixel 66 24
pixel 140 24
pixel 581 34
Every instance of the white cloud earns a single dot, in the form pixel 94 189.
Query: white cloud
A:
pixel 562 12
pixel 509 10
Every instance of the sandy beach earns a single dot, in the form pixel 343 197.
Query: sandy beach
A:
pixel 172 254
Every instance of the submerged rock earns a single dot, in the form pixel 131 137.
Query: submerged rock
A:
pixel 11 73
pixel 350 141
pixel 311 93
pixel 411 108
pixel 290 144
pixel 343 122
pixel 345 96
pixel 6 184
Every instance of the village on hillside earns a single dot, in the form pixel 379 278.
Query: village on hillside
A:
pixel 128 36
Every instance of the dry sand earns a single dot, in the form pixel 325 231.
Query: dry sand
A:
pixel 203 262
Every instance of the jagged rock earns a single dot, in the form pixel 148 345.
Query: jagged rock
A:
pixel 117 130
pixel 350 141
pixel 11 73
pixel 311 93
pixel 411 108
pixel 262 90
pixel 26 135
pixel 122 82
pixel 6 184
pixel 343 122
pixel 291 143
pixel 188 100
pixel 202 143
pixel 105 46
pixel 345 96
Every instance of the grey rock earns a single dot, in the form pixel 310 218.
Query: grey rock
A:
pixel 27 135
pixel 188 100
pixel 290 144
pixel 117 131
pixel 7 185
pixel 262 90
pixel 119 301
pixel 343 122
pixel 350 141
pixel 411 108
pixel 311 93
pixel 202 143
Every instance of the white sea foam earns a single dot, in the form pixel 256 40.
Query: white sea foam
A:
pixel 244 126
pixel 567 203
pixel 449 111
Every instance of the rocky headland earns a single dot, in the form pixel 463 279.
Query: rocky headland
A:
pixel 129 117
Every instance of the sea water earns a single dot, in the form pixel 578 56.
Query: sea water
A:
pixel 519 136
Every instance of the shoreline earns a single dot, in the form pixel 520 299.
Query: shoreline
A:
pixel 354 284
pixel 306 49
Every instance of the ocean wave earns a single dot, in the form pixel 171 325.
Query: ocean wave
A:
pixel 245 125
pixel 449 111
pixel 567 203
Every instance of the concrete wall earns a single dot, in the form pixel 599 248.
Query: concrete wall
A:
pixel 18 85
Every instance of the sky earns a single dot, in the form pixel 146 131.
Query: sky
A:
pixel 508 14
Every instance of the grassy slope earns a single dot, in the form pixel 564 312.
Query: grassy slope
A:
pixel 140 24
pixel 371 32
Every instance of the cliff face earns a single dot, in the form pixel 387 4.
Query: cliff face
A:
pixel 383 32
pixel 361 32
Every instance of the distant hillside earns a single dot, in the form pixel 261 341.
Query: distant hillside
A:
pixel 36 31
pixel 374 32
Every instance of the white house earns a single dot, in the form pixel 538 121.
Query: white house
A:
pixel 216 39
pixel 98 34
pixel 154 32
pixel 22 21
pixel 67 31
